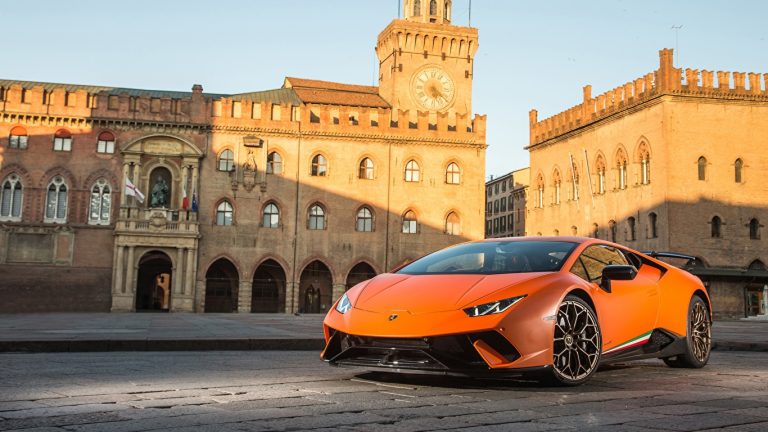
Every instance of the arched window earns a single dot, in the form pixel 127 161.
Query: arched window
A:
pixel 574 231
pixel 433 7
pixel 540 187
pixel 18 138
pixel 595 230
pixel 453 174
pixel 737 167
pixel 271 216
pixel 106 143
pixel 417 8
pixel 412 171
pixel 366 169
pixel 754 229
pixel 274 163
pixel 621 166
pixel 453 224
pixel 600 167
pixel 716 227
pixel 319 166
pixel 631 229
pixel 410 223
pixel 702 168
pixel 316 217
pixel 101 203
pixel 62 140
pixel 11 198
pixel 652 228
pixel 56 201
pixel 612 229
pixel 224 214
pixel 556 183
pixel 364 220
pixel 226 160
pixel 575 184
pixel 645 164
pixel 447 11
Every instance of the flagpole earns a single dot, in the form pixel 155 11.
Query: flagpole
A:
pixel 470 13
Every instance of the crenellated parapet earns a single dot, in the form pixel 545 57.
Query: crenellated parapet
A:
pixel 429 39
pixel 665 80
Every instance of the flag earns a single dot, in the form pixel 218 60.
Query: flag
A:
pixel 132 190
pixel 185 198
pixel 194 201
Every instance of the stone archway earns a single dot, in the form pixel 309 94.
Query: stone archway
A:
pixel 315 288
pixel 359 273
pixel 268 292
pixel 221 287
pixel 153 284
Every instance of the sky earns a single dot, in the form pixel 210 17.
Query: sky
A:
pixel 532 55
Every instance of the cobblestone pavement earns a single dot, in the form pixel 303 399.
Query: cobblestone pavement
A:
pixel 265 390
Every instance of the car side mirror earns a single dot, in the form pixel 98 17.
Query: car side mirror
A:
pixel 616 272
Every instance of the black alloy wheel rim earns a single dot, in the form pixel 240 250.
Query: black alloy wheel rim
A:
pixel 701 332
pixel 577 341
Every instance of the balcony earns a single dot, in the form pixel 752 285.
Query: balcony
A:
pixel 157 221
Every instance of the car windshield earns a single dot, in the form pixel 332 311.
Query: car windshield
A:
pixel 494 257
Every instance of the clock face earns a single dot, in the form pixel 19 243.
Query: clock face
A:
pixel 433 88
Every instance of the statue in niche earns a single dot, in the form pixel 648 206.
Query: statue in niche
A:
pixel 159 193
pixel 249 171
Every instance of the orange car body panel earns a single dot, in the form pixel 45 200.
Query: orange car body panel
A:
pixel 432 305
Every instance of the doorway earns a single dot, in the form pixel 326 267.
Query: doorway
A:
pixel 153 287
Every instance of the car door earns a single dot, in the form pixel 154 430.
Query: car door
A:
pixel 628 313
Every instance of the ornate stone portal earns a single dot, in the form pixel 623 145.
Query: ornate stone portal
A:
pixel 162 166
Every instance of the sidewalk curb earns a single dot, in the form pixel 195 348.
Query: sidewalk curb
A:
pixel 106 345
pixel 740 346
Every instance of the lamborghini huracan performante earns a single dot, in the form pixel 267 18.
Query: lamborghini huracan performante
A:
pixel 556 306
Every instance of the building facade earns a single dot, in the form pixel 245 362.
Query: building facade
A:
pixel 671 161
pixel 270 201
pixel 505 208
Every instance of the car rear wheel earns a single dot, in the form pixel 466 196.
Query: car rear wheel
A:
pixel 577 343
pixel 698 342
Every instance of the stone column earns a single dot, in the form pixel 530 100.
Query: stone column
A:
pixel 130 286
pixel 765 300
pixel 244 295
pixel 118 286
pixel 123 197
pixel 188 280
pixel 338 291
pixel 291 297
pixel 178 271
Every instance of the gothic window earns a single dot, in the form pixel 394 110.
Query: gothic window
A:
pixel 101 203
pixel 716 227
pixel 433 7
pixel 447 11
pixel 366 169
pixel 18 138
pixel 11 197
pixel 645 164
pixel 631 229
pixel 653 232
pixel 621 166
pixel 417 8
pixel 737 167
pixel 453 174
pixel 319 166
pixel 600 167
pixel 754 229
pixel 62 140
pixel 106 143
pixel 224 214
pixel 271 216
pixel 410 223
pixel 316 217
pixel 364 220
pixel 540 188
pixel 453 224
pixel 412 171
pixel 56 201
pixel 274 163
pixel 612 229
pixel 702 168
pixel 226 160
pixel 556 183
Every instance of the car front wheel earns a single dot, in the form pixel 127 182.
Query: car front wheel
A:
pixel 577 343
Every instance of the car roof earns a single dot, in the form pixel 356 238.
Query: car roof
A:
pixel 570 239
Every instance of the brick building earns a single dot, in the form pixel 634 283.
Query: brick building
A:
pixel 505 209
pixel 674 160
pixel 270 201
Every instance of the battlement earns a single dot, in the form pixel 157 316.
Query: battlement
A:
pixel 665 80
pixel 432 39
pixel 276 110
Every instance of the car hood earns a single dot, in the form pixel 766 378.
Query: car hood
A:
pixel 417 294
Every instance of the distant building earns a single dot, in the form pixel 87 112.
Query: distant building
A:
pixel 270 201
pixel 505 209
pixel 671 161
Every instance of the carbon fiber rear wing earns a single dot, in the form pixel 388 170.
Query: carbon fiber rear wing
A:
pixel 655 254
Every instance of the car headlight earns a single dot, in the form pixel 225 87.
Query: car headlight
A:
pixel 496 307
pixel 343 305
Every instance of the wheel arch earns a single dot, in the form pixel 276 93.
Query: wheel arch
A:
pixel 702 295
pixel 580 293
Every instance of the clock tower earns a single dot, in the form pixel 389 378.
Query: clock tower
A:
pixel 425 62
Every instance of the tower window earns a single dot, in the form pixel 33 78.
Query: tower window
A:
pixel 274 163
pixel 224 214
pixel 226 160
pixel 716 227
pixel 702 168
pixel 754 229
pixel 319 166
pixel 410 223
pixel 316 217
pixel 652 228
pixel 737 167
pixel 417 8
pixel 433 8
pixel 364 220
pixel 271 216
pixel 631 229
pixel 106 143
pixel 453 174
pixel 18 138
pixel 366 169
pixel 412 171
pixel 62 141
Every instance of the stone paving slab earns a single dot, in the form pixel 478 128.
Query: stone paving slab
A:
pixel 99 332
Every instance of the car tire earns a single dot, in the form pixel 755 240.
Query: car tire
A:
pixel 698 340
pixel 577 343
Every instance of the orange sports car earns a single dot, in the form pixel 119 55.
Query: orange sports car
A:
pixel 558 306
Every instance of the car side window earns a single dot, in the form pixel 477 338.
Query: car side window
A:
pixel 579 270
pixel 596 258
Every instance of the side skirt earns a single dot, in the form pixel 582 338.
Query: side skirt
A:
pixel 661 343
